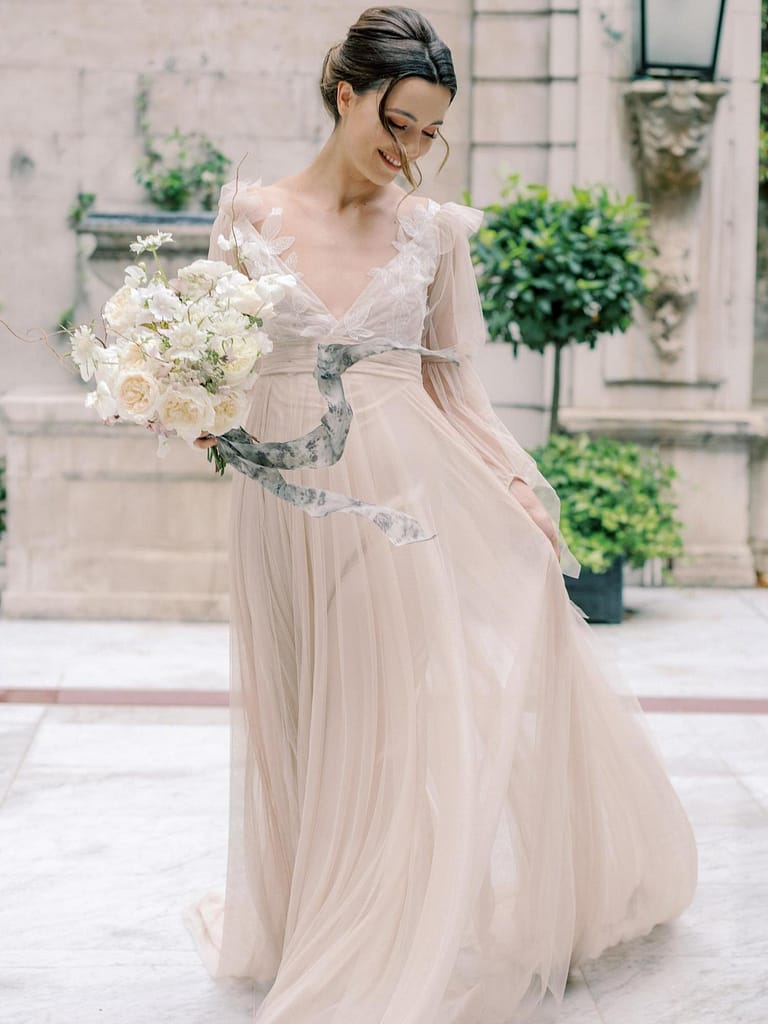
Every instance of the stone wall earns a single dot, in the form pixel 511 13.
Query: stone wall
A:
pixel 541 94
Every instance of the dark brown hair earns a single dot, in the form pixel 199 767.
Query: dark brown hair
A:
pixel 385 45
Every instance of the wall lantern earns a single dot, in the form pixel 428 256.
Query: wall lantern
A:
pixel 680 38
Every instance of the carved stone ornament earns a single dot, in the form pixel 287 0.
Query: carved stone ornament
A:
pixel 672 123
pixel 671 129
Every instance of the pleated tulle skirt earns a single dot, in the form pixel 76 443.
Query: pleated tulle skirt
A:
pixel 438 803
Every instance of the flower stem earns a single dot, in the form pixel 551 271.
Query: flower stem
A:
pixel 215 456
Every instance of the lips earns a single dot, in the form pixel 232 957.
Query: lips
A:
pixel 391 162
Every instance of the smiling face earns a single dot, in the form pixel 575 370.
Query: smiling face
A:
pixel 414 110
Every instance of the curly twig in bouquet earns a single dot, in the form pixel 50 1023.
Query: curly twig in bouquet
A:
pixel 180 356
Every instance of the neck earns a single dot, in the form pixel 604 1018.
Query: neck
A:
pixel 332 177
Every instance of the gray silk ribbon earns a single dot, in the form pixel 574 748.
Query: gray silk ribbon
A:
pixel 324 446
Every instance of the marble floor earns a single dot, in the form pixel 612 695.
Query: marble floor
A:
pixel 113 818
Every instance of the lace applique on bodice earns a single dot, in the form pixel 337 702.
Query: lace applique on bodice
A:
pixel 393 302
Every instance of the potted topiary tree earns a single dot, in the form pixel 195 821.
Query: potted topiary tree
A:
pixel 561 271
pixel 616 507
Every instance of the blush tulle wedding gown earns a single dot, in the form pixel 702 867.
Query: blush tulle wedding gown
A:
pixel 438 802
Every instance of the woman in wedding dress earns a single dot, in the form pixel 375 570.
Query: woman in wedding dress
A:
pixel 438 802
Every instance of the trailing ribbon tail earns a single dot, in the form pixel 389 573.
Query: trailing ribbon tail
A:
pixel 324 445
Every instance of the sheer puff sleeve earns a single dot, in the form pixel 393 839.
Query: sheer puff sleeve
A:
pixel 454 317
pixel 239 201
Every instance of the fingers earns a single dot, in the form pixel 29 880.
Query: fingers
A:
pixel 205 441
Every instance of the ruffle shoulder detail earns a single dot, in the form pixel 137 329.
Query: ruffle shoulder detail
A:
pixel 455 221
pixel 242 200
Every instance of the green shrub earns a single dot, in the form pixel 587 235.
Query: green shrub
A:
pixel 615 500
pixel 182 167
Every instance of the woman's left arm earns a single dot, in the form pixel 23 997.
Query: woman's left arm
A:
pixel 455 318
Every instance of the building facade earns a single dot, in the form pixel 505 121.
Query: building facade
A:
pixel 97 526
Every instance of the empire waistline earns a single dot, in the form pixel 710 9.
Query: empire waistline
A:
pixel 299 355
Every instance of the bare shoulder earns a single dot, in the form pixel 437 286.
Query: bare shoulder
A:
pixel 408 202
pixel 251 199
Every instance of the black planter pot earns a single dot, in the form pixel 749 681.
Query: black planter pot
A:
pixel 599 594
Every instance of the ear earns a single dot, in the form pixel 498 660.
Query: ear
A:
pixel 344 96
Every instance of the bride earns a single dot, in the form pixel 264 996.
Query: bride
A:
pixel 438 804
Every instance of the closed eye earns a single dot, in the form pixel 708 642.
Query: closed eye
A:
pixel 404 127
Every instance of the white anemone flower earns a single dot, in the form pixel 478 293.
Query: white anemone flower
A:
pixel 187 341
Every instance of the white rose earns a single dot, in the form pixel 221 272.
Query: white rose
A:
pixel 249 299
pixel 85 351
pixel 187 410
pixel 136 394
pixel 102 401
pixel 258 297
pixel 125 310
pixel 229 408
pixel 199 278
pixel 130 353
pixel 240 355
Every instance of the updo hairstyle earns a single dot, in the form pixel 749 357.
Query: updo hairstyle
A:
pixel 385 45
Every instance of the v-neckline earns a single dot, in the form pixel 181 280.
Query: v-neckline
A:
pixel 398 243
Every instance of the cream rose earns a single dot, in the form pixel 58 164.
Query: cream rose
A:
pixel 199 278
pixel 229 409
pixel 125 310
pixel 186 410
pixel 136 394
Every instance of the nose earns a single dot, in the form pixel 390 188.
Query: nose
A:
pixel 413 148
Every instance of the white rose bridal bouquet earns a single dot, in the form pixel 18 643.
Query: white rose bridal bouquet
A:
pixel 180 356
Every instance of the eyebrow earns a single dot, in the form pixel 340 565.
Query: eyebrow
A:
pixel 404 113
